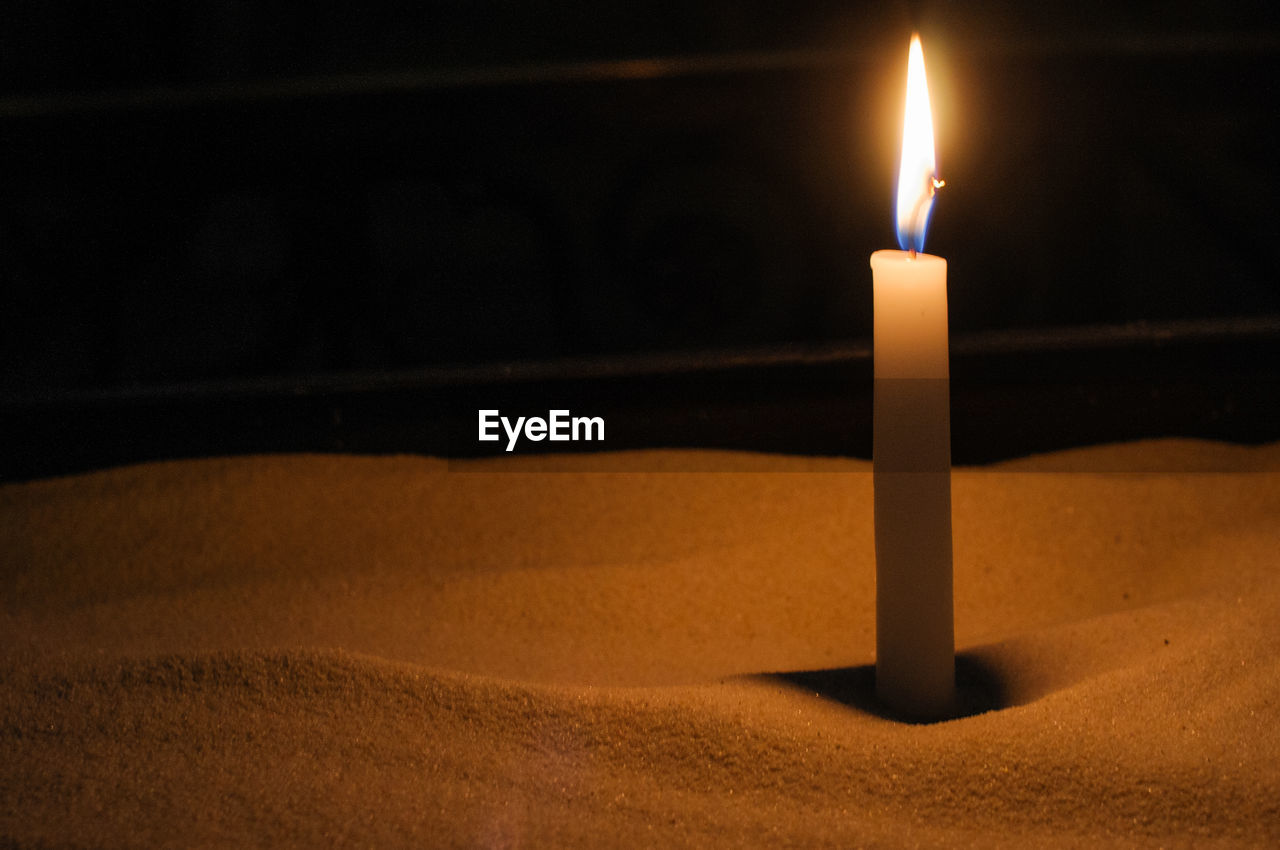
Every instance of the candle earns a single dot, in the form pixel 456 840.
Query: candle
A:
pixel 911 440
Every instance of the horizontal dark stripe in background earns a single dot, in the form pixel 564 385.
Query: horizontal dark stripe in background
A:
pixel 1012 394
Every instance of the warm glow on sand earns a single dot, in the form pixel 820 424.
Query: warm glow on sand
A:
pixel 302 647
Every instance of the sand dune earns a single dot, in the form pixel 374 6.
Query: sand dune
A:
pixel 302 650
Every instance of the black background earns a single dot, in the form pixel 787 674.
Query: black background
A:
pixel 233 226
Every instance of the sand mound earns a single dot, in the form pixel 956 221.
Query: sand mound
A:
pixel 392 651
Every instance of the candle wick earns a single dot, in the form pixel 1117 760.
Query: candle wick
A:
pixel 933 185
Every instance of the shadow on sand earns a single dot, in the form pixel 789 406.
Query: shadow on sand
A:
pixel 978 689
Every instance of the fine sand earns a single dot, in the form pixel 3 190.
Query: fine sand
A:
pixel 395 651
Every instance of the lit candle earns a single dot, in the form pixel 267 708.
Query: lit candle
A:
pixel 911 440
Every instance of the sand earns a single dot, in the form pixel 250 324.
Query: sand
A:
pixel 392 651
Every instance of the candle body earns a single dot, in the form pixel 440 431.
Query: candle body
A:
pixel 911 458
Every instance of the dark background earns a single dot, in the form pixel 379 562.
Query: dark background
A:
pixel 250 226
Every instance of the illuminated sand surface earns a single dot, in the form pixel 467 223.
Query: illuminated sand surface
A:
pixel 312 650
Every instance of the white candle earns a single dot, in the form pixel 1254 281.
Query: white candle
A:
pixel 911 441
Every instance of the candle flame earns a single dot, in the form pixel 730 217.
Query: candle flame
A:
pixel 917 175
